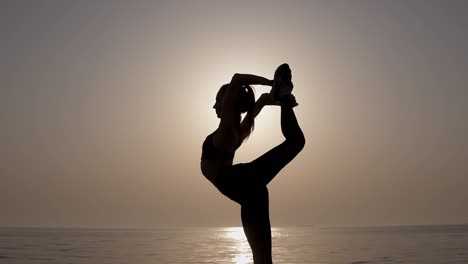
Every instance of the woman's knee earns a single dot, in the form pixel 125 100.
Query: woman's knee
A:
pixel 297 142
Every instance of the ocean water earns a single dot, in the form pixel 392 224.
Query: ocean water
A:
pixel 357 245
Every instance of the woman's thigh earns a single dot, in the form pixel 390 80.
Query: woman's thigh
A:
pixel 241 183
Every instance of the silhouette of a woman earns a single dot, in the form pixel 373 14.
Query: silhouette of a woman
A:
pixel 246 183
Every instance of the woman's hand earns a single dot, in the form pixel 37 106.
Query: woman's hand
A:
pixel 267 99
pixel 289 100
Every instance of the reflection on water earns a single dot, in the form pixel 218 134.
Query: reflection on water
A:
pixel 428 244
pixel 240 244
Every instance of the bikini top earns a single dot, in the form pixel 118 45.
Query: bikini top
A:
pixel 209 151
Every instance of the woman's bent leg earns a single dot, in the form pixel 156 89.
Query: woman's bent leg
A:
pixel 269 164
pixel 256 223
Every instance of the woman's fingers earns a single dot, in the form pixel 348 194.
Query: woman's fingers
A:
pixel 267 99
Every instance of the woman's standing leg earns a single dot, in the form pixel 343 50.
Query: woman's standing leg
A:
pixel 256 223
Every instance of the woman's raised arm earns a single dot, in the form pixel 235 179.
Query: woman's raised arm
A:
pixel 250 79
pixel 227 136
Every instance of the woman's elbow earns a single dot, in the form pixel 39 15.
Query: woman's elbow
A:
pixel 236 78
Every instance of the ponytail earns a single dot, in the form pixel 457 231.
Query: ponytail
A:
pixel 247 104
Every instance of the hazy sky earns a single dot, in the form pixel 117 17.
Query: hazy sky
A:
pixel 104 106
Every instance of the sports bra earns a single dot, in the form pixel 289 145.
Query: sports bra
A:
pixel 210 152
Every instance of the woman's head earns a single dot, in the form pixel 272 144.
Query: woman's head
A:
pixel 245 102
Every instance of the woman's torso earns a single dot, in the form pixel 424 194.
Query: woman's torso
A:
pixel 214 160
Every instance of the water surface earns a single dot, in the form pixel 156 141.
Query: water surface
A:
pixel 354 245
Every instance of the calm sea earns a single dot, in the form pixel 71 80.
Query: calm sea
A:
pixel 403 244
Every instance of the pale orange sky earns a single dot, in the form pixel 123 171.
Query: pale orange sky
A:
pixel 104 107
